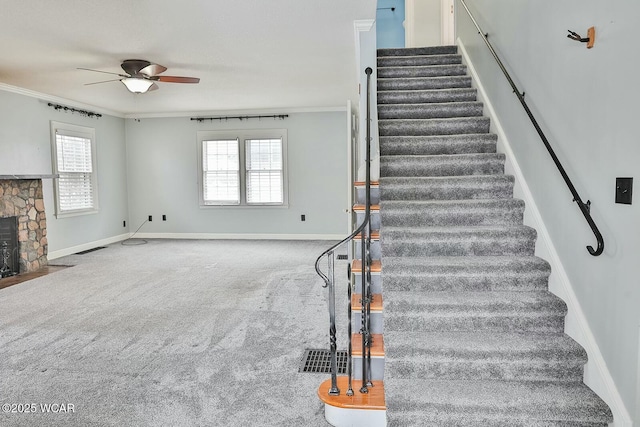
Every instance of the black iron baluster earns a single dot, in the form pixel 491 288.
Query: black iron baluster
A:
pixel 365 257
pixel 349 332
pixel 334 390
pixel 369 299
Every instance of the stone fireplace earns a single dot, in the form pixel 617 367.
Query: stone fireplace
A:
pixel 21 197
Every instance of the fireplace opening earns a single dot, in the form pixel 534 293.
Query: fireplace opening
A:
pixel 9 256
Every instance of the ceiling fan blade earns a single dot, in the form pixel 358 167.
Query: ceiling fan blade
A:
pixel 153 87
pixel 103 81
pixel 153 70
pixel 105 72
pixel 177 79
pixel 133 66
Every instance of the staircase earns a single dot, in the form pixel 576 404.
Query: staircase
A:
pixel 472 336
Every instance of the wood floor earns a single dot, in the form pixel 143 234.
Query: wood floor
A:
pixel 14 280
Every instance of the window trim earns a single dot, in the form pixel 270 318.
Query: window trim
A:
pixel 82 132
pixel 241 135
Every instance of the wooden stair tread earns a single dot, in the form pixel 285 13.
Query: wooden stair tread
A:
pixel 375 235
pixel 376 266
pixel 362 183
pixel 377 349
pixel 360 207
pixel 376 303
pixel 373 400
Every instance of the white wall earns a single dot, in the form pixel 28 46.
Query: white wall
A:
pixel 587 104
pixel 368 58
pixel 163 168
pixel 25 148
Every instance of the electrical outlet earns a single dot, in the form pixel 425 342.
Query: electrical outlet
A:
pixel 164 217
pixel 150 218
pixel 124 223
pixel 303 217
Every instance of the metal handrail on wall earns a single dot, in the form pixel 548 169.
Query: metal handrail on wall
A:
pixel 584 207
pixel 329 281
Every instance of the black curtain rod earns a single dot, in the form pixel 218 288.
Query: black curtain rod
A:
pixel 74 110
pixel 221 118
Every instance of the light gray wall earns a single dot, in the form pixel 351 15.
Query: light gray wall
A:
pixel 368 58
pixel 587 103
pixel 163 168
pixel 25 148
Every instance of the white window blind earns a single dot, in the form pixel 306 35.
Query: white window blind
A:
pixel 264 171
pixel 221 172
pixel 75 168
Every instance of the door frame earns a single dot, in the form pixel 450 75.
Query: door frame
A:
pixel 447 22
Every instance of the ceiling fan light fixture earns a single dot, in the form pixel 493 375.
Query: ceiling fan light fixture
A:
pixel 136 85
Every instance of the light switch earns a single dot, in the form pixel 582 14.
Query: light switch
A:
pixel 624 189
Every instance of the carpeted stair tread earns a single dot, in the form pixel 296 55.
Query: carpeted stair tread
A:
pixel 432 402
pixel 400 61
pixel 442 165
pixel 525 317
pixel 469 273
pixel 421 127
pixel 447 188
pixel 419 213
pixel 413 51
pixel 484 355
pixel 423 83
pixel 422 71
pixel 438 144
pixel 430 111
pixel 489 304
pixel 457 241
pixel 426 96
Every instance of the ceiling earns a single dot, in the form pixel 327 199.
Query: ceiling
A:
pixel 248 54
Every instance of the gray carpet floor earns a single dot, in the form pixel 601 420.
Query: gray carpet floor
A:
pixel 171 333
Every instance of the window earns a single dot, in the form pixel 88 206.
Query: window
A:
pixel 243 168
pixel 221 170
pixel 73 153
pixel 264 170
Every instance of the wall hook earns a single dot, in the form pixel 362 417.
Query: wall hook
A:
pixel 589 40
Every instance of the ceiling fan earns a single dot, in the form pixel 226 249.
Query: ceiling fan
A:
pixel 141 76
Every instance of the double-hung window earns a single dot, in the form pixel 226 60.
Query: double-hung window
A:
pixel 74 161
pixel 243 168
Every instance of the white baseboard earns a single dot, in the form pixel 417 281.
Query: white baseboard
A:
pixel 596 373
pixel 202 236
pixel 86 246
pixel 240 236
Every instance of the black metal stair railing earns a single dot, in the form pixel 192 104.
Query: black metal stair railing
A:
pixel 364 230
pixel 584 207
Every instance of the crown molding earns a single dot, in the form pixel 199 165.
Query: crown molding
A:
pixel 55 99
pixel 58 100
pixel 363 24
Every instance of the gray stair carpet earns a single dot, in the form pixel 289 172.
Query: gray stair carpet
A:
pixel 473 337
